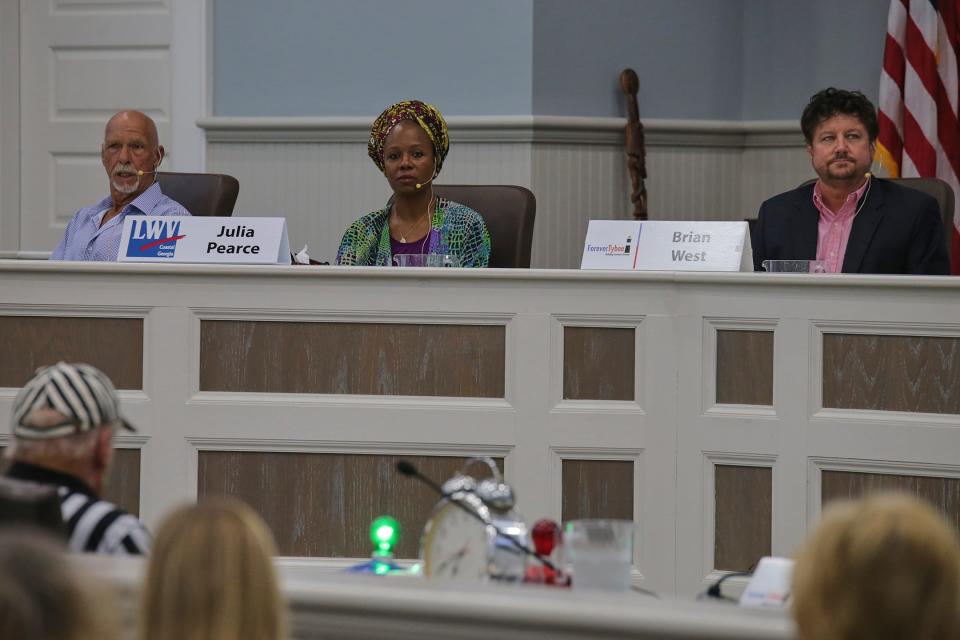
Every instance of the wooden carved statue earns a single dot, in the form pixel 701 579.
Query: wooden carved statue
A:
pixel 636 150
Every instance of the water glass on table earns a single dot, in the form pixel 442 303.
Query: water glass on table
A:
pixel 794 266
pixel 426 260
pixel 599 553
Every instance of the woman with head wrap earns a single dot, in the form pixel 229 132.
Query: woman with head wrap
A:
pixel 409 143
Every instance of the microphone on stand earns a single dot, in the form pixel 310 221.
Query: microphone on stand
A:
pixel 411 471
pixel 406 468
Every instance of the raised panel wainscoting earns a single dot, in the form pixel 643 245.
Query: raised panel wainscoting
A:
pixel 321 504
pixel 691 403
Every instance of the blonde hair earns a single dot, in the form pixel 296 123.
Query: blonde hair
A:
pixel 211 576
pixel 43 597
pixel 885 568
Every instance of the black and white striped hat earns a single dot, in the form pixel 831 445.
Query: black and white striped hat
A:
pixel 82 393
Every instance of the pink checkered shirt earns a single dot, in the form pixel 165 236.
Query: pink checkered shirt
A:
pixel 833 230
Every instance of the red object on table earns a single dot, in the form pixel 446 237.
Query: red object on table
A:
pixel 546 539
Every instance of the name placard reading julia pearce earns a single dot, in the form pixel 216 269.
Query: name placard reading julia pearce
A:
pixel 207 239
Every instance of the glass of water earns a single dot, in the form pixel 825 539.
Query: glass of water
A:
pixel 794 266
pixel 426 260
pixel 599 553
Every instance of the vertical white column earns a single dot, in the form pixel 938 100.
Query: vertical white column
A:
pixel 9 128
pixel 191 82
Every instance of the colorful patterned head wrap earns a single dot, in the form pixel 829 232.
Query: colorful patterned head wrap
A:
pixel 423 114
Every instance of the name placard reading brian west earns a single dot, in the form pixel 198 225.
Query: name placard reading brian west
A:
pixel 694 246
pixel 206 239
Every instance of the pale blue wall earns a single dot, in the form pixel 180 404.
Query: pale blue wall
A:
pixel 697 59
pixel 703 59
pixel 686 52
pixel 794 49
pixel 355 57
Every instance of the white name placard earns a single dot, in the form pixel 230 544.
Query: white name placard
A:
pixel 611 244
pixel 694 246
pixel 204 239
pixel 661 245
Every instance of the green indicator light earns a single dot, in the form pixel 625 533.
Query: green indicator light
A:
pixel 384 533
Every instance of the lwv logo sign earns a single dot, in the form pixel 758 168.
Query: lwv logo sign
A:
pixel 153 238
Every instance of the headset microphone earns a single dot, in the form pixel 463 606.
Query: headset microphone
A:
pixel 421 185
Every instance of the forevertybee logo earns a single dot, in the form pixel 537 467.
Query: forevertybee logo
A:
pixel 612 249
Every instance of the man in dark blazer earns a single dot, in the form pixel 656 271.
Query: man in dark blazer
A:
pixel 853 221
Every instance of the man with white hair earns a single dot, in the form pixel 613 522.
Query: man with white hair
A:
pixel 131 154
pixel 63 423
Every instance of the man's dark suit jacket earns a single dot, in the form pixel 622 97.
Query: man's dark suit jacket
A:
pixel 898 230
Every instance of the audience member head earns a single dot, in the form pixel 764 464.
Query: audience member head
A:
pixel 885 568
pixel 211 576
pixel 63 419
pixel 43 597
pixel 832 102
pixel 409 130
pixel 131 154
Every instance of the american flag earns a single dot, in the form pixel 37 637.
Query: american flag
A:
pixel 919 92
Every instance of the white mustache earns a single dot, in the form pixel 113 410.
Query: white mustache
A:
pixel 126 189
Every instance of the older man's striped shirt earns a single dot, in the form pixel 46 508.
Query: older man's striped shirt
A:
pixel 93 525
pixel 98 526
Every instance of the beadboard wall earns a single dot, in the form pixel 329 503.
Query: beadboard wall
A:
pixel 315 171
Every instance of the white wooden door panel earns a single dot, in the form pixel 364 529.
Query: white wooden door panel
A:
pixel 81 62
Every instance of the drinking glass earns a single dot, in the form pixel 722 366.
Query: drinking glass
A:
pixel 600 553
pixel 795 266
pixel 426 260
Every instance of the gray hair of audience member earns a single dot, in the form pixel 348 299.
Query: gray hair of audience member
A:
pixel 884 568
pixel 87 456
pixel 43 597
pixel 66 450
pixel 211 575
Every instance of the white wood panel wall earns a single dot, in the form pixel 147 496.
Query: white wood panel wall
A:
pixel 694 183
pixel 574 183
pixel 317 174
pixel 674 429
pixel 767 171
pixel 9 127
